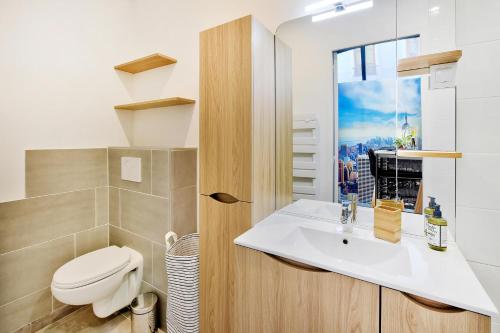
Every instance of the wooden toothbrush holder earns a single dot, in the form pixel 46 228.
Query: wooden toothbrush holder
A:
pixel 387 224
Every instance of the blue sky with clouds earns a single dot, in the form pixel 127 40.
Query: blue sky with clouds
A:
pixel 367 109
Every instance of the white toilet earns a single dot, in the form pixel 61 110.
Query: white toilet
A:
pixel 109 278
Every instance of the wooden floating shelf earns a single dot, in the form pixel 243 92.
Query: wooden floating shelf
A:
pixel 429 153
pixel 157 103
pixel 146 63
pixel 415 72
pixel 420 65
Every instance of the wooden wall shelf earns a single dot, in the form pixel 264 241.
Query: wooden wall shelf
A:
pixel 146 63
pixel 422 63
pixel 429 153
pixel 157 103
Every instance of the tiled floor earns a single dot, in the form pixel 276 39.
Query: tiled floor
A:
pixel 84 321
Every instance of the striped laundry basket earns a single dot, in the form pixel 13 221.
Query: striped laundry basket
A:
pixel 182 261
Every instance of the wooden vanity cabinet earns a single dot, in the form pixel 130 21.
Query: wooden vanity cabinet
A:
pixel 276 296
pixel 272 294
pixel 403 314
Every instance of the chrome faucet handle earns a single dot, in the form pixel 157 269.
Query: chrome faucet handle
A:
pixel 353 197
pixel 346 218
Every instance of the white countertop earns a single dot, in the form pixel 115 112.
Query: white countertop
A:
pixel 409 266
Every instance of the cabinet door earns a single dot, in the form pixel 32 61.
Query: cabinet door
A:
pixel 276 296
pixel 284 125
pixel 226 109
pixel 401 314
pixel 220 224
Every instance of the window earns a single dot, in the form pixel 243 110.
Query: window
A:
pixel 367 93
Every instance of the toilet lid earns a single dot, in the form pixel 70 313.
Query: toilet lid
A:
pixel 91 267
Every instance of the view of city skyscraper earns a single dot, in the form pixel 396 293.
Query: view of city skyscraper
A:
pixel 367 120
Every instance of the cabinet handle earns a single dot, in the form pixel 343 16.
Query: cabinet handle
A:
pixel 294 264
pixel 223 197
pixel 432 305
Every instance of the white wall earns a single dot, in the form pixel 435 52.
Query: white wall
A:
pixel 478 119
pixel 58 86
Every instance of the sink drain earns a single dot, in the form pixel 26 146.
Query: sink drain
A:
pixel 345 241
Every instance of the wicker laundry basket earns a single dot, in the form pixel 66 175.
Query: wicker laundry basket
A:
pixel 182 261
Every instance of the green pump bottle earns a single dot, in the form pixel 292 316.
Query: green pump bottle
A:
pixel 437 231
pixel 428 212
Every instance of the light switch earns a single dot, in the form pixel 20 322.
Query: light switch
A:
pixel 443 76
pixel 131 169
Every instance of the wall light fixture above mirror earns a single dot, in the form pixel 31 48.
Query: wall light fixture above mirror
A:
pixel 330 9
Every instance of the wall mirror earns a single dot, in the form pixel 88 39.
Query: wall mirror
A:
pixel 361 119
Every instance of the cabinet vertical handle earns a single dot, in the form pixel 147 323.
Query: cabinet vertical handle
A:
pixel 223 197
pixel 294 264
pixel 430 304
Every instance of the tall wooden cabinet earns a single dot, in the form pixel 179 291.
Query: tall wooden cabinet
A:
pixel 237 154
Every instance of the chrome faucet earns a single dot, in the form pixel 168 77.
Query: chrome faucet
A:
pixel 353 198
pixel 346 217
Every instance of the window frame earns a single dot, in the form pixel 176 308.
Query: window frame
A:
pixel 363 52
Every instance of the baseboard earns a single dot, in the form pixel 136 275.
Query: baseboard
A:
pixel 40 323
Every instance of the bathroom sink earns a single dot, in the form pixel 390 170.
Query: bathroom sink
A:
pixel 342 246
pixel 408 266
pixel 353 249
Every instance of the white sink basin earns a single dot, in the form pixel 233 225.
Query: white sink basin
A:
pixel 347 247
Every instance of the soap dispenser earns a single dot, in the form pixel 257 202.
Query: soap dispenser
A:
pixel 428 212
pixel 437 231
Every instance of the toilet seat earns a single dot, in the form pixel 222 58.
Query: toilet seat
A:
pixel 91 267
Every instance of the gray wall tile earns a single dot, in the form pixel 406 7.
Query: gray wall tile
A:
pixel 121 237
pixel 159 273
pixel 25 310
pixel 144 215
pixel 62 170
pixel 114 206
pixel 114 162
pixel 102 205
pixel 56 304
pixel 162 302
pixel 25 271
pixel 32 221
pixel 183 210
pixel 183 168
pixel 91 240
pixel 160 169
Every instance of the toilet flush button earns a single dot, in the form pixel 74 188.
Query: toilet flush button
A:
pixel 131 169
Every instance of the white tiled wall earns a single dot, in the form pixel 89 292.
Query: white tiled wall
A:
pixel 478 21
pixel 478 133
pixel 478 178
pixel 479 115
pixel 479 230
pixel 479 68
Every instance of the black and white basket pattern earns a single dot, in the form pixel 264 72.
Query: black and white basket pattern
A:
pixel 182 262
